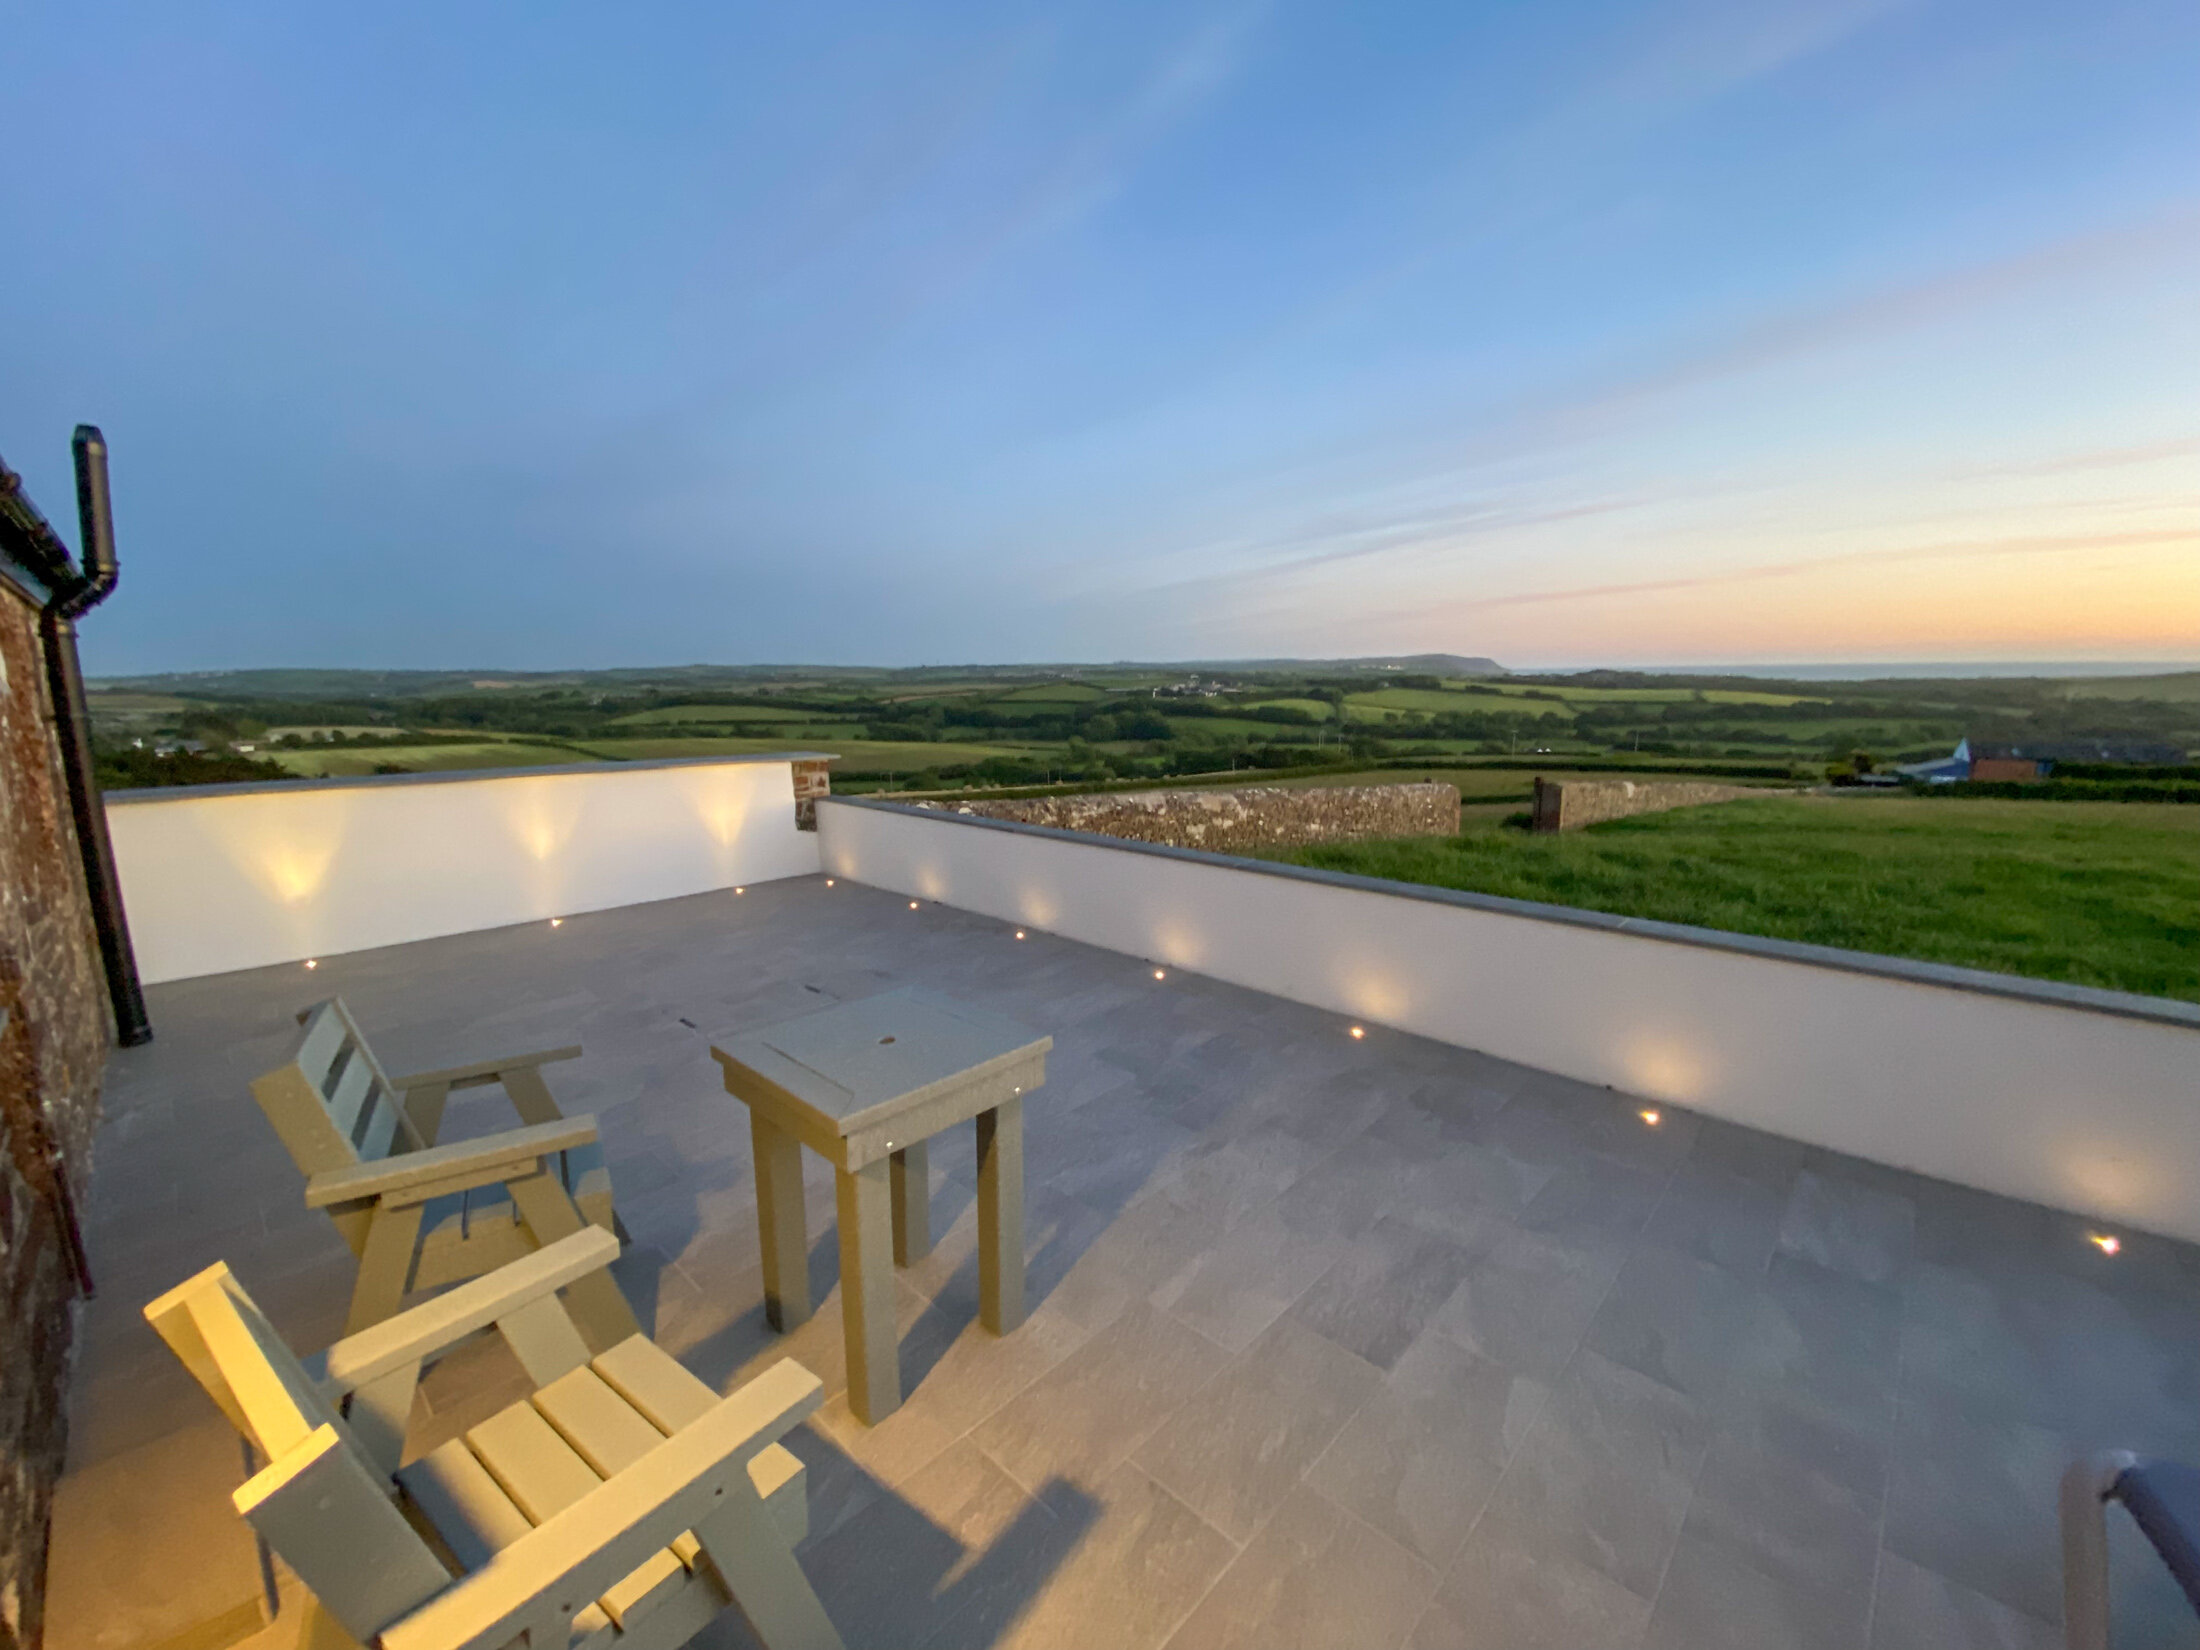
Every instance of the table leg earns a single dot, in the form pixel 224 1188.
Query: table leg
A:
pixel 1001 1216
pixel 780 1223
pixel 867 1291
pixel 912 1178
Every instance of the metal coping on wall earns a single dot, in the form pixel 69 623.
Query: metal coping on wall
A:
pixel 454 776
pixel 2042 993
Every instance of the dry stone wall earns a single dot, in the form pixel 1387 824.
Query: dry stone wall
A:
pixel 53 1044
pixel 1252 820
pixel 1568 804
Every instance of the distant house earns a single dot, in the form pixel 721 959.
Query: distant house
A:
pixel 1947 770
pixel 2024 763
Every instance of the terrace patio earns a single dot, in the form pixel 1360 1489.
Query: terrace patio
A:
pixel 1333 1342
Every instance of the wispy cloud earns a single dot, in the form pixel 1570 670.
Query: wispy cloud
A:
pixel 1452 499
pixel 1969 550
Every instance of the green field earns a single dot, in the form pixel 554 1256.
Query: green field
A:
pixel 1653 696
pixel 685 714
pixel 2183 688
pixel 1386 703
pixel 1055 693
pixel 489 753
pixel 856 755
pixel 2101 894
pixel 1485 784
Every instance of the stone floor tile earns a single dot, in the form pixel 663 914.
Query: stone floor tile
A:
pixel 1504 1595
pixel 1096 1406
pixel 1239 1445
pixel 1714 1598
pixel 1727 1219
pixel 1382 1289
pixel 959 1540
pixel 1313 1579
pixel 1528 1298
pixel 1604 1477
pixel 1919 1609
pixel 1678 1320
pixel 1848 1227
pixel 1814 1534
pixel 1973 1496
pixel 1419 1460
pixel 1139 1563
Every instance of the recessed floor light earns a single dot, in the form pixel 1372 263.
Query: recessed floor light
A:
pixel 1359 1031
pixel 1161 973
pixel 2107 1242
pixel 1651 1115
pixel 912 905
pixel 1019 933
pixel 557 922
pixel 313 962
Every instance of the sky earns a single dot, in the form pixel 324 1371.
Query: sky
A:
pixel 1575 332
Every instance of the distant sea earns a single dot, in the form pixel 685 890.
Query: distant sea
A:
pixel 1871 671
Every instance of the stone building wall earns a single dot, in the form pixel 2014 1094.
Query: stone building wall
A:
pixel 813 778
pixel 53 1044
pixel 1252 820
pixel 1569 804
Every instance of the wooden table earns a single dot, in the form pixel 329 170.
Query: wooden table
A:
pixel 865 1085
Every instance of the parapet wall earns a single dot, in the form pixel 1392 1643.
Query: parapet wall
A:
pixel 1568 804
pixel 1244 821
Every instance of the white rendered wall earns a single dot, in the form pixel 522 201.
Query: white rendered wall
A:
pixel 2084 1110
pixel 268 874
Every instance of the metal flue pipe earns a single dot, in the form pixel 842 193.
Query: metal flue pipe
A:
pixel 72 591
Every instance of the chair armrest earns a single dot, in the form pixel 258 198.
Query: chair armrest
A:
pixel 433 1326
pixel 413 1169
pixel 486 1071
pixel 541 1581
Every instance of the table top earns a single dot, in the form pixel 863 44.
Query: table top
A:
pixel 858 1064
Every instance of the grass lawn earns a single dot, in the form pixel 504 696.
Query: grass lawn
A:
pixel 2102 894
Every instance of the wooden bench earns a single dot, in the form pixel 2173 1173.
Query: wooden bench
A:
pixel 420 1215
pixel 623 1505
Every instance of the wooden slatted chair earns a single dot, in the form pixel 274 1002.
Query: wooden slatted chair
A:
pixel 624 1506
pixel 421 1215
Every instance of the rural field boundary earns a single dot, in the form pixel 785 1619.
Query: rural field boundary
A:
pixel 1244 820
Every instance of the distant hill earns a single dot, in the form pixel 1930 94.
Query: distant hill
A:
pixel 1419 664
pixel 312 684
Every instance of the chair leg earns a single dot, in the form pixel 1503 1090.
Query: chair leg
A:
pixel 760 1571
pixel 2085 1490
pixel 598 1307
pixel 385 1266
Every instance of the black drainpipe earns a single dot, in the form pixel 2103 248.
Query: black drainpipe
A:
pixel 72 592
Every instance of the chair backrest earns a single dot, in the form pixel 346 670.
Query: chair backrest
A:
pixel 231 1350
pixel 331 1101
pixel 320 1501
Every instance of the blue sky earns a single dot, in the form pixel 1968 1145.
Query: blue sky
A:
pixel 1732 330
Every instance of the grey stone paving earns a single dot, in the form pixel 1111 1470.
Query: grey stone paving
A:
pixel 1335 1342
